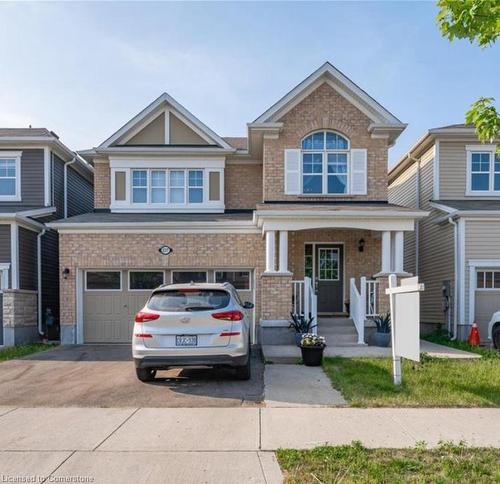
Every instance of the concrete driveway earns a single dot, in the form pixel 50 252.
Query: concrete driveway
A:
pixel 104 376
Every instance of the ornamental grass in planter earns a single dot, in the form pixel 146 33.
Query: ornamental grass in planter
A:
pixel 382 336
pixel 312 347
pixel 301 325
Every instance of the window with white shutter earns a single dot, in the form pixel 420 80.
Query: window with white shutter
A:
pixel 358 172
pixel 292 171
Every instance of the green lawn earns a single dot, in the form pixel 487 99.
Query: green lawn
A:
pixel 355 464
pixel 435 382
pixel 13 352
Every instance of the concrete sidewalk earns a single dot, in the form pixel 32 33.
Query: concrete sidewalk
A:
pixel 212 444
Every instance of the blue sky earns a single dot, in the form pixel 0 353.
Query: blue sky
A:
pixel 84 69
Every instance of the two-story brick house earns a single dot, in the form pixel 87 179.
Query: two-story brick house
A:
pixel 41 180
pixel 304 195
pixel 456 250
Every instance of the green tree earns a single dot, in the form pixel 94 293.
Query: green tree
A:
pixel 479 22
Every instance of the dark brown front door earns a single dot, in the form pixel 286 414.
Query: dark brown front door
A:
pixel 329 277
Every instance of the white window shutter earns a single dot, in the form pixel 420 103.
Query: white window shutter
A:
pixel 292 172
pixel 359 168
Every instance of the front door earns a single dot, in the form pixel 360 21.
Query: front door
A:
pixel 329 277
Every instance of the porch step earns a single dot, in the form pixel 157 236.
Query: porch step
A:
pixel 338 331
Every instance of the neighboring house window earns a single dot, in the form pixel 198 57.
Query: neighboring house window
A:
pixel 177 187
pixel 483 171
pixel 10 176
pixel 488 279
pixel 140 186
pixel 325 163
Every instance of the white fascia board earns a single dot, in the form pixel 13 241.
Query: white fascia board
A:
pixel 157 227
pixel 443 208
pixel 350 88
pixel 364 223
pixel 165 98
pixel 38 212
pixel 293 214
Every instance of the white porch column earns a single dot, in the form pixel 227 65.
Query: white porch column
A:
pixel 386 252
pixel 399 242
pixel 283 261
pixel 270 250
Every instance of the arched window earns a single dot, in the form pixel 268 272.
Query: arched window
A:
pixel 325 163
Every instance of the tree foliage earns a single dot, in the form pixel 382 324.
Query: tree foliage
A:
pixel 485 118
pixel 478 21
pixel 475 20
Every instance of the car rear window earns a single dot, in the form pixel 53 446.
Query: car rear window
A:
pixel 189 300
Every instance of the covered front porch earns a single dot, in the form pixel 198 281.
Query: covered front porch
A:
pixel 330 264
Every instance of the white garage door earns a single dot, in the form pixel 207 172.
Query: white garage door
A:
pixel 487 298
pixel 112 298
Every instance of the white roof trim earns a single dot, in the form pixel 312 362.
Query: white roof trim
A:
pixel 165 98
pixel 342 84
pixel 247 227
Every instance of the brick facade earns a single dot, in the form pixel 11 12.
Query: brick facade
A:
pixel 277 296
pixel 102 185
pixel 242 185
pixel 140 251
pixel 324 109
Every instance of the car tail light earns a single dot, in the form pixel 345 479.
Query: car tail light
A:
pixel 229 315
pixel 143 335
pixel 143 317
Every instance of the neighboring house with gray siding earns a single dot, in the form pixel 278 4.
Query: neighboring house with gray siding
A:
pixel 40 180
pixel 456 250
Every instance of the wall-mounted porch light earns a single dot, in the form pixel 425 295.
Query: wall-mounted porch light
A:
pixel 65 273
pixel 361 245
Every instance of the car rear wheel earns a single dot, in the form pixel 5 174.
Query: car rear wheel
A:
pixel 145 374
pixel 244 372
pixel 496 336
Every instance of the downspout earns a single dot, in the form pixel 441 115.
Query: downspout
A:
pixel 39 276
pixel 66 185
pixel 455 285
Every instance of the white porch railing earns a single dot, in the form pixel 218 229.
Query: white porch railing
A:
pixel 357 305
pixel 363 304
pixel 371 298
pixel 304 300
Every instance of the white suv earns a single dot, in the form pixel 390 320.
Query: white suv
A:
pixel 192 325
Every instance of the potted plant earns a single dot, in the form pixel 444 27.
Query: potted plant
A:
pixel 301 325
pixel 312 347
pixel 382 336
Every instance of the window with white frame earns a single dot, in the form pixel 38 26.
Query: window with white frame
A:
pixel 488 279
pixel 325 164
pixel 483 171
pixel 176 187
pixel 10 176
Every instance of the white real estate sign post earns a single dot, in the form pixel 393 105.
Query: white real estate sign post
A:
pixel 405 321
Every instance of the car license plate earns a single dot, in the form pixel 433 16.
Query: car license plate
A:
pixel 186 340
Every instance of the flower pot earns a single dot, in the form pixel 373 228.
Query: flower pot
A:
pixel 298 338
pixel 312 355
pixel 382 339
